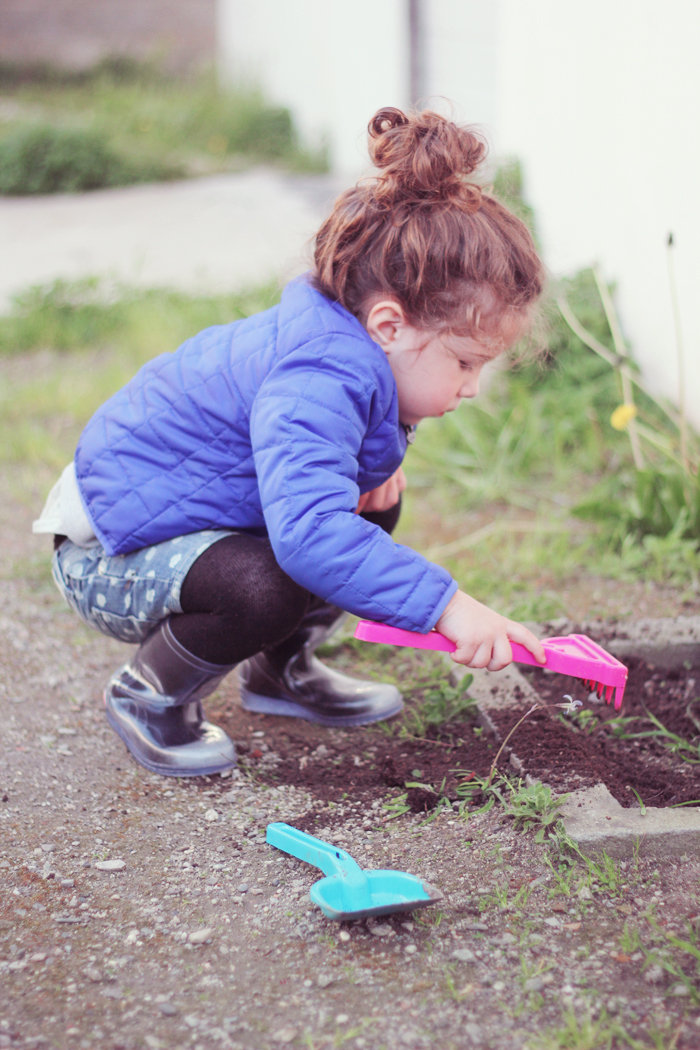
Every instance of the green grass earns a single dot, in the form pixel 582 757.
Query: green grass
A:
pixel 150 122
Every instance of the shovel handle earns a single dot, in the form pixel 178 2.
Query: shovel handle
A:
pixel 330 859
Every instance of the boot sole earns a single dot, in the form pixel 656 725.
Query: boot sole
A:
pixel 267 705
pixel 155 767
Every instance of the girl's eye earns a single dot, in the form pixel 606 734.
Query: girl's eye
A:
pixel 466 366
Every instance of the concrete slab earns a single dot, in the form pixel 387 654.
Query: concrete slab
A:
pixel 666 642
pixel 214 234
pixel 597 822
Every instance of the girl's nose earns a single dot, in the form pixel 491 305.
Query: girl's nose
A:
pixel 470 387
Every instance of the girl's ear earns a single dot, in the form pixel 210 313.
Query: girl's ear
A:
pixel 384 324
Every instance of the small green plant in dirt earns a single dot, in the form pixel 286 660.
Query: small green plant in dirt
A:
pixel 688 751
pixel 534 807
pixel 441 704
pixel 584 1033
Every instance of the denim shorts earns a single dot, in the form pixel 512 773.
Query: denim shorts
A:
pixel 127 595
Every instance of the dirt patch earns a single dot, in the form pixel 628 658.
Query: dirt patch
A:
pixel 628 750
pixel 361 764
pixel 597 745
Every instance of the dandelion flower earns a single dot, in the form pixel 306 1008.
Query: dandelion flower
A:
pixel 623 416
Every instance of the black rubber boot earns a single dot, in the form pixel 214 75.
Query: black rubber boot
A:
pixel 154 703
pixel 288 679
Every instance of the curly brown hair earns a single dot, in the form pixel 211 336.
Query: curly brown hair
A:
pixel 421 232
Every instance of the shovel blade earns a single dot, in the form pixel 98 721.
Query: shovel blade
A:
pixel 389 891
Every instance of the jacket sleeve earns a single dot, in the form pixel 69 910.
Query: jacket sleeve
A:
pixel 307 427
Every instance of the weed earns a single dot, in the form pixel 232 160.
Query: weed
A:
pixel 534 807
pixel 441 704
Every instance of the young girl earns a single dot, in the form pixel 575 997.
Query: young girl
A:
pixel 230 502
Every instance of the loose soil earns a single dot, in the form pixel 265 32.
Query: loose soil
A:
pixel 566 752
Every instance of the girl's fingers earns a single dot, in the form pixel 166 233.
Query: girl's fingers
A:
pixel 483 655
pixel 502 654
pixel 518 633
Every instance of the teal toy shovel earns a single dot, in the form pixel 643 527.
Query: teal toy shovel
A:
pixel 348 892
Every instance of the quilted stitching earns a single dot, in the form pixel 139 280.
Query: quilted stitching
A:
pixel 265 424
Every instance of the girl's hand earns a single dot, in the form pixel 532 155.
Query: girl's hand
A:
pixel 386 496
pixel 482 636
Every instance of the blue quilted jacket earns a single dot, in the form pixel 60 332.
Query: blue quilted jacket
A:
pixel 274 424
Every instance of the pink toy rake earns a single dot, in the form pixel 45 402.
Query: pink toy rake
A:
pixel 577 655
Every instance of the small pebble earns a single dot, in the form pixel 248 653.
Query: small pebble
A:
pixel 93 974
pixel 243 888
pixel 533 984
pixel 211 814
pixel 200 936
pixel 67 883
pixel 110 865
pixel 381 930
pixel 342 1019
pixel 410 949
pixel 48 847
pixel 324 980
pixel 344 936
pixel 168 1009
pixel 285 1035
pixel 464 955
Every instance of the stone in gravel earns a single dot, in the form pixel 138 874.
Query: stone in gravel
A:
pixel 678 990
pixel 381 930
pixel 48 847
pixel 344 936
pixel 110 865
pixel 113 993
pixel 551 922
pixel 499 986
pixel 243 888
pixel 285 1035
pixel 464 955
pixel 474 1032
pixel 533 984
pixel 480 926
pixel 200 936
pixel 410 949
pixel 93 974
pixel 211 814
pixel 67 883
pixel 324 980
pixel 654 975
pixel 38 957
pixel 342 1019
pixel 168 1009
pixel 584 894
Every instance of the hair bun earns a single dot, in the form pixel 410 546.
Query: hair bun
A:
pixel 424 157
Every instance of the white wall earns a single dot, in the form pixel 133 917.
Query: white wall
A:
pixel 600 99
pixel 334 64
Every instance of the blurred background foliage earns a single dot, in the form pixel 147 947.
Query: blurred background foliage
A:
pixel 123 122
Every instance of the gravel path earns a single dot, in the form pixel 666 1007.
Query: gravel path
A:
pixel 138 911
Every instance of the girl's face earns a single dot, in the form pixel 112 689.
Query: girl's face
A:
pixel 433 372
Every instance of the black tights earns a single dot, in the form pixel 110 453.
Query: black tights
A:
pixel 236 600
